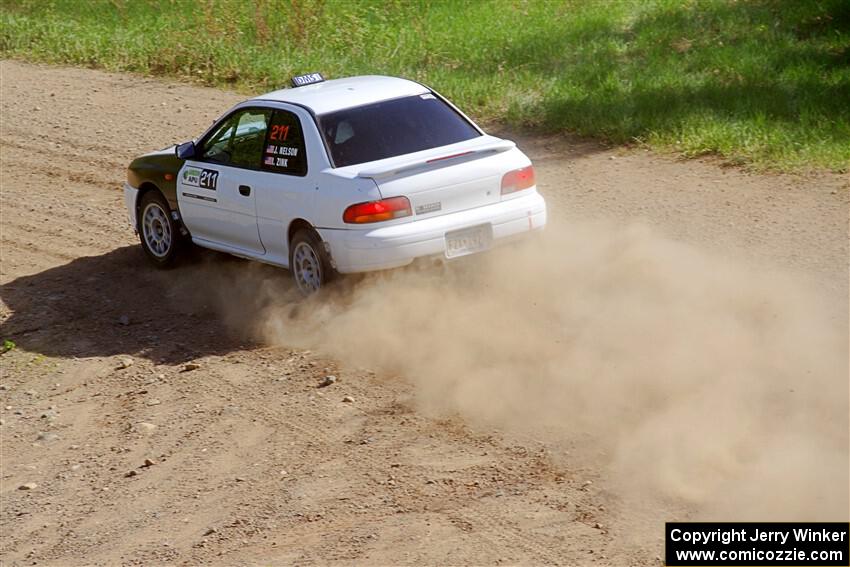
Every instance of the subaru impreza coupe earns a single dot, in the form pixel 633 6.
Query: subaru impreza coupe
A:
pixel 338 176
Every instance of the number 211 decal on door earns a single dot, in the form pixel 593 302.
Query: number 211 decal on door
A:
pixel 203 178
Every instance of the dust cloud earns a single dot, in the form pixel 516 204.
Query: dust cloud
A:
pixel 689 381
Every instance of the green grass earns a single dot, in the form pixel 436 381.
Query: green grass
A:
pixel 765 83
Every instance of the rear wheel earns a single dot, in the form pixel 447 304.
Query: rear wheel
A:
pixel 309 263
pixel 158 232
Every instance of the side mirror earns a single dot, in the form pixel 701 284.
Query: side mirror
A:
pixel 185 150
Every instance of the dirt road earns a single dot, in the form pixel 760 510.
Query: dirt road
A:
pixel 250 462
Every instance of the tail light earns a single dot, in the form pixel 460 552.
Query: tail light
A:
pixel 517 180
pixel 377 211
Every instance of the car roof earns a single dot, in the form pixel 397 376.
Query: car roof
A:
pixel 337 94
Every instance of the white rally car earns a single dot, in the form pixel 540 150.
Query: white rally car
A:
pixel 339 176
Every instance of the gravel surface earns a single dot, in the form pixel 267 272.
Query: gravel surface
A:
pixel 113 454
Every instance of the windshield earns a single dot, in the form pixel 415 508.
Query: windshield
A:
pixel 392 128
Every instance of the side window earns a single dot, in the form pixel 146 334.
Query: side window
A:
pixel 216 147
pixel 284 150
pixel 239 139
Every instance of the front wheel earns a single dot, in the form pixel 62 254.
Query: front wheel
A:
pixel 309 263
pixel 158 232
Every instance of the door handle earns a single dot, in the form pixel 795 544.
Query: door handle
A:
pixel 244 190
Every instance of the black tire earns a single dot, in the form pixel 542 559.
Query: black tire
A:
pixel 309 263
pixel 158 232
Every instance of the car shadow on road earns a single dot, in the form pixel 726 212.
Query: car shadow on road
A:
pixel 116 303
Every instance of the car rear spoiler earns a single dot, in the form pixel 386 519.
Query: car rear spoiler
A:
pixel 425 162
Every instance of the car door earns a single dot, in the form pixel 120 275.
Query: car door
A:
pixel 289 186
pixel 215 189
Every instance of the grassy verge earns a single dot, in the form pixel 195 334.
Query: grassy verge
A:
pixel 758 82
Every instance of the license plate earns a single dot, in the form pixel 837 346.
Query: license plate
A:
pixel 468 240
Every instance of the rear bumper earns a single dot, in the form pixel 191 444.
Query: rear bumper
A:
pixel 363 250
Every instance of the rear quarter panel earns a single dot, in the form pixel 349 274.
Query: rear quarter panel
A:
pixel 337 193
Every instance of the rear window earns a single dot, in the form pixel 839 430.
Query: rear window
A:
pixel 392 128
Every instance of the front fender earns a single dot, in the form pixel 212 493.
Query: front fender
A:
pixel 158 169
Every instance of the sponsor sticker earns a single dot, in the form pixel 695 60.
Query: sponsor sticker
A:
pixel 191 175
pixel 200 197
pixel 203 178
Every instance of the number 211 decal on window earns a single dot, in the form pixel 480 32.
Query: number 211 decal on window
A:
pixel 279 132
pixel 284 149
